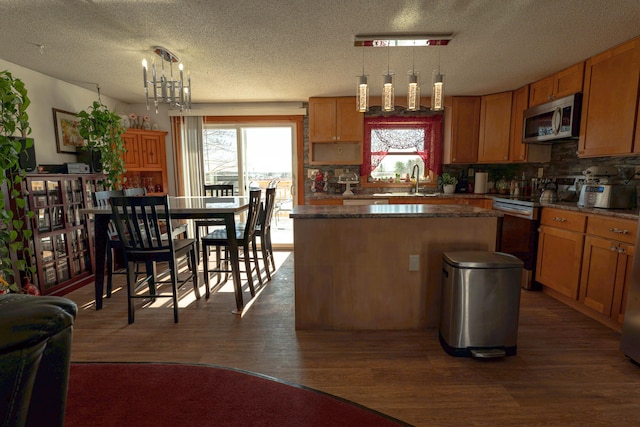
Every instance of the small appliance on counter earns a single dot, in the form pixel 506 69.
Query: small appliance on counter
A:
pixel 604 189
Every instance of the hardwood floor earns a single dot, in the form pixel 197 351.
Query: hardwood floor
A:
pixel 569 370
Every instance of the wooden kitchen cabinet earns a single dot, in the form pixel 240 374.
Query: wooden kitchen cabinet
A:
pixel 606 265
pixel 335 131
pixel 461 129
pixel 518 151
pixel 560 249
pixel 145 160
pixel 609 105
pixel 495 128
pixel 558 85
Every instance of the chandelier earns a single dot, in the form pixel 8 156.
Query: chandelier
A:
pixel 166 89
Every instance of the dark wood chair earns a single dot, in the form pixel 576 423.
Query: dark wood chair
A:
pixel 263 230
pixel 101 199
pixel 179 228
pixel 245 238
pixel 212 190
pixel 139 223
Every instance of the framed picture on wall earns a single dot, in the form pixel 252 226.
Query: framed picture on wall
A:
pixel 68 139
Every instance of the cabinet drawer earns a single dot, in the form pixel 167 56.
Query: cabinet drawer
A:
pixel 622 230
pixel 566 220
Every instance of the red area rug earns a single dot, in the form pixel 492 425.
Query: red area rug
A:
pixel 151 394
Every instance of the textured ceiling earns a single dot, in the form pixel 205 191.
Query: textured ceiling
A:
pixel 289 50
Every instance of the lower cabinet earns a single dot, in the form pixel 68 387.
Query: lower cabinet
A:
pixel 606 266
pixel 587 258
pixel 560 245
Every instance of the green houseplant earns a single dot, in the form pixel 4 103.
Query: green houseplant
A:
pixel 102 130
pixel 447 183
pixel 14 232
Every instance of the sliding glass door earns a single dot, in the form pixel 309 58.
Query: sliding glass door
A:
pixel 252 156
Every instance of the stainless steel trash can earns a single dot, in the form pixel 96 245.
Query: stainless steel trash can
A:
pixel 480 303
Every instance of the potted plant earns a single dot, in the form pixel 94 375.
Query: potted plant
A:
pixel 447 183
pixel 14 231
pixel 102 130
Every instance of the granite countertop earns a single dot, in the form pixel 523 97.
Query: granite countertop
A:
pixel 632 214
pixel 391 211
pixel 387 195
pixel 615 213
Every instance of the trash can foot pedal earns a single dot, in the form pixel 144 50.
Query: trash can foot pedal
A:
pixel 488 353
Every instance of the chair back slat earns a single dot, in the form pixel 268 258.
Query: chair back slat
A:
pixel 101 199
pixel 136 191
pixel 138 221
pixel 267 213
pixel 218 190
pixel 252 215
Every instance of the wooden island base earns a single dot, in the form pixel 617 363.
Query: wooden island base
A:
pixel 352 267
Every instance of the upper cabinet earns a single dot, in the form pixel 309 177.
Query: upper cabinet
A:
pixel 518 151
pixel 335 120
pixel 335 131
pixel 145 160
pixel 610 102
pixel 558 85
pixel 461 129
pixel 495 128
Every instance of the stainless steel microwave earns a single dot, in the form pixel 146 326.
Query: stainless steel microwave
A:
pixel 552 121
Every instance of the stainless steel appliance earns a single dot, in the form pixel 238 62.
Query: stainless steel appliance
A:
pixel 630 342
pixel 555 120
pixel 605 189
pixel 480 303
pixel 519 232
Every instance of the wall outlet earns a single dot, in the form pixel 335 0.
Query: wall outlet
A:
pixel 637 173
pixel 414 262
pixel 311 173
pixel 540 172
pixel 338 172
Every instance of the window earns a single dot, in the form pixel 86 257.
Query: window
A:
pixel 394 145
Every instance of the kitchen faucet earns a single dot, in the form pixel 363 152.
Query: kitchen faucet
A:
pixel 416 168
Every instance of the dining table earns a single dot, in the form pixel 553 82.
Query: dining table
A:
pixel 180 207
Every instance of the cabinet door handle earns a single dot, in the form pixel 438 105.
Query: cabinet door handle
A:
pixel 617 230
pixel 613 248
pixel 555 218
pixel 621 250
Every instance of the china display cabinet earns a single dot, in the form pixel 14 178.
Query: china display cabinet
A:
pixel 145 160
pixel 63 250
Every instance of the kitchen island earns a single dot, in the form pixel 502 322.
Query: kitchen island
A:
pixel 379 266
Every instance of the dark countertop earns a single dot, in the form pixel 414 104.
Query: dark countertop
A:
pixel 391 211
pixel 615 213
pixel 632 214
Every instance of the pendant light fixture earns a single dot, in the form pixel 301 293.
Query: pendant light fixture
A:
pixel 437 96
pixel 166 89
pixel 362 90
pixel 387 88
pixel 413 90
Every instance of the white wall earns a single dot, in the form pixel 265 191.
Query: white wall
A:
pixel 45 94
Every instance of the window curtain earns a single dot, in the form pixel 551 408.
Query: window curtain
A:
pixel 429 149
pixel 191 154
